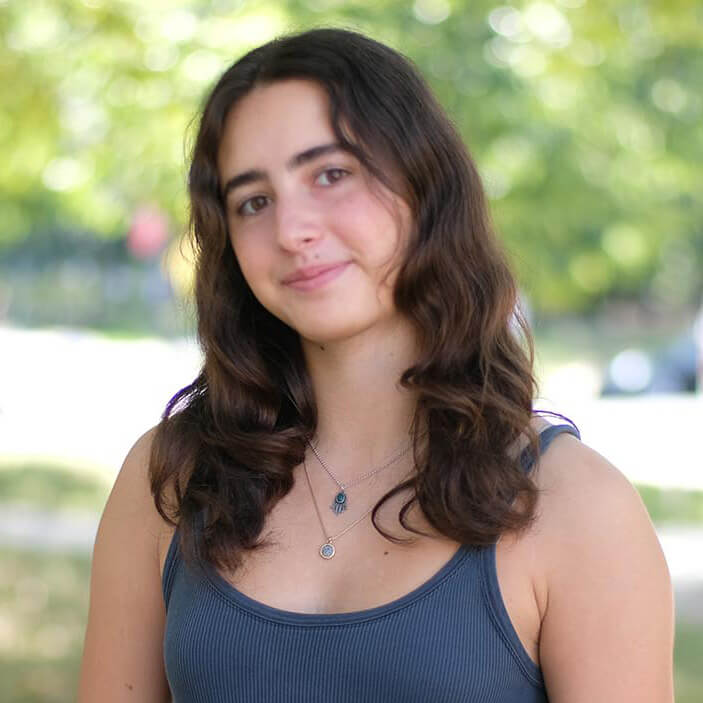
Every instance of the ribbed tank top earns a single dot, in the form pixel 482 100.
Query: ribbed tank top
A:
pixel 448 640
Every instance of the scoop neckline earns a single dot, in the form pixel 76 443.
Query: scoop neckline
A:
pixel 291 617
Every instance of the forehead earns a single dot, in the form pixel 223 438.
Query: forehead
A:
pixel 273 122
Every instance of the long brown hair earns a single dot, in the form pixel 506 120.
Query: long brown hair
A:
pixel 225 449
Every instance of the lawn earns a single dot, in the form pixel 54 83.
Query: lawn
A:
pixel 43 609
pixel 688 661
pixel 53 487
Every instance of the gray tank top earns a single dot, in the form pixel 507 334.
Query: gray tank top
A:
pixel 448 640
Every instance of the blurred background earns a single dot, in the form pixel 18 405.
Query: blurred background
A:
pixel 585 120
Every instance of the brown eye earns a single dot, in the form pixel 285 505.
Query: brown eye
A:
pixel 331 175
pixel 252 206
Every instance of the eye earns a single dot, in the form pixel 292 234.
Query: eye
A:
pixel 331 176
pixel 252 205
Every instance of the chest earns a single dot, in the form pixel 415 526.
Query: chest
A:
pixel 367 571
pixel 439 644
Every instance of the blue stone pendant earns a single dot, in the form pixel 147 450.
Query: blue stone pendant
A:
pixel 340 503
pixel 327 550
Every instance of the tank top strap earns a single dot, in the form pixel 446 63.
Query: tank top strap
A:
pixel 546 437
pixel 174 558
pixel 171 566
pixel 489 571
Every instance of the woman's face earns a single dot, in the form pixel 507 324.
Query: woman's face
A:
pixel 294 201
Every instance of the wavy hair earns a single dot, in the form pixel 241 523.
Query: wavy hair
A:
pixel 224 452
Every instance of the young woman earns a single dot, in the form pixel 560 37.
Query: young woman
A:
pixel 354 501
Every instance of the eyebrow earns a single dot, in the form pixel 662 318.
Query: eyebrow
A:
pixel 294 162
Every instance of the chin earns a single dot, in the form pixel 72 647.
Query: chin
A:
pixel 326 335
pixel 329 332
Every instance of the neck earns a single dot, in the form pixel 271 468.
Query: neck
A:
pixel 364 416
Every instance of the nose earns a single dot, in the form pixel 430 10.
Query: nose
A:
pixel 297 223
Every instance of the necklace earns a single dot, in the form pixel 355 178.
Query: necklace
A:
pixel 341 502
pixel 327 550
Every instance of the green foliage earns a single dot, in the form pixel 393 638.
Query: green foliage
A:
pixel 584 119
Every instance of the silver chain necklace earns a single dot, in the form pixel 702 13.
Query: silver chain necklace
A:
pixel 341 502
pixel 327 550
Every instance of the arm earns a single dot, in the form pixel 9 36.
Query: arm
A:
pixel 122 657
pixel 608 628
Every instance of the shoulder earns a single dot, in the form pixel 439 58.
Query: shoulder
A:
pixel 131 501
pixel 126 616
pixel 137 478
pixel 585 503
pixel 133 479
pixel 136 464
pixel 607 593
pixel 580 489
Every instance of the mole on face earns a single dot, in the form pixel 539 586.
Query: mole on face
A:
pixel 385 554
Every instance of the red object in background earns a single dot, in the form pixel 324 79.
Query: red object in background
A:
pixel 148 233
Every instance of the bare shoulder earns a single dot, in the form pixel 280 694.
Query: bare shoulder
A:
pixel 585 503
pixel 131 493
pixel 580 486
pixel 122 657
pixel 134 474
pixel 607 628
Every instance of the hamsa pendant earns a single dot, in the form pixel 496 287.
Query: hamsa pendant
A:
pixel 340 503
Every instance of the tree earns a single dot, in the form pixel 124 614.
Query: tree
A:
pixel 583 118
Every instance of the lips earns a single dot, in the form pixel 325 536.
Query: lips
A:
pixel 309 272
pixel 316 277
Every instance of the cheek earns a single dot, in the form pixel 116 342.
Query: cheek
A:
pixel 368 227
pixel 251 261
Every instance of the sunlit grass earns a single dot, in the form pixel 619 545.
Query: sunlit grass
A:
pixel 53 487
pixel 672 505
pixel 43 610
pixel 688 658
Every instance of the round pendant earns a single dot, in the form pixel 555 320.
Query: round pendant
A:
pixel 327 550
pixel 340 503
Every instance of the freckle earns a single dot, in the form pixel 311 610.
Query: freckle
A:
pixel 129 686
pixel 322 347
pixel 385 553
